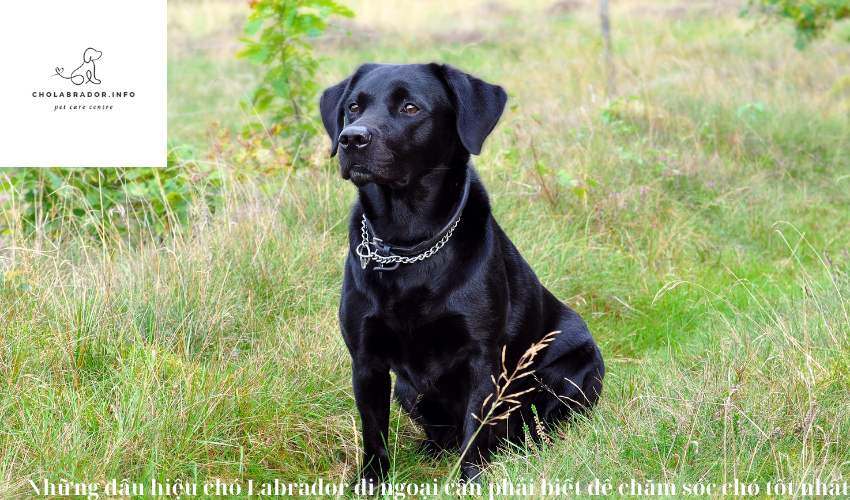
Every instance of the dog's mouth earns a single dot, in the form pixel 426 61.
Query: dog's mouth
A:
pixel 359 175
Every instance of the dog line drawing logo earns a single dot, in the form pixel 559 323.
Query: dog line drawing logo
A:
pixel 85 73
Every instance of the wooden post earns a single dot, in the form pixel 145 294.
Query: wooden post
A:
pixel 610 90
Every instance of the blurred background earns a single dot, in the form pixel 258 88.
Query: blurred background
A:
pixel 549 54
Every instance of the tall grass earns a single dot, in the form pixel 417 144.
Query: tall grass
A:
pixel 215 353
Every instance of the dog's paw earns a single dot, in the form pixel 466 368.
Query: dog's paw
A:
pixel 472 474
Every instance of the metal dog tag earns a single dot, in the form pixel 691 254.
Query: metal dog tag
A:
pixel 364 253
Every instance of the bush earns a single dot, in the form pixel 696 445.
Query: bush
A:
pixel 811 17
pixel 43 199
pixel 288 88
pixel 119 200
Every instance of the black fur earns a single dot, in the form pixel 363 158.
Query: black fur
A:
pixel 440 324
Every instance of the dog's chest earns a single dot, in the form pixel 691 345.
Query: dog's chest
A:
pixel 424 350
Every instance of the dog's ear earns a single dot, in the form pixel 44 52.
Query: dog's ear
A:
pixel 87 55
pixel 478 105
pixel 332 101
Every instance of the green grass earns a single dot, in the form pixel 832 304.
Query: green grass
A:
pixel 691 239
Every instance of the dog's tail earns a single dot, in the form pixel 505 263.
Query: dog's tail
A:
pixel 72 78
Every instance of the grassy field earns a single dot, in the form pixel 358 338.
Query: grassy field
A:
pixel 698 219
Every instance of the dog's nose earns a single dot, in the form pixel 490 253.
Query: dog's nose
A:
pixel 355 134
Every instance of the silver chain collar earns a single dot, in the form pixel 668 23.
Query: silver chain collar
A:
pixel 368 251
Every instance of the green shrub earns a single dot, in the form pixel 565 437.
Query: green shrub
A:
pixel 288 89
pixel 43 199
pixel 118 200
pixel 811 18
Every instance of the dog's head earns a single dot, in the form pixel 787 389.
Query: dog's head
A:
pixel 392 122
pixel 91 55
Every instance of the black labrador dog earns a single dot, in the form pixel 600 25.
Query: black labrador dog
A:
pixel 433 288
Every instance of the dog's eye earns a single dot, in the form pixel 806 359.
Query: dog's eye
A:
pixel 410 109
pixel 353 107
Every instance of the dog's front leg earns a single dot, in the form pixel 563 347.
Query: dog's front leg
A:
pixel 372 395
pixel 476 434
